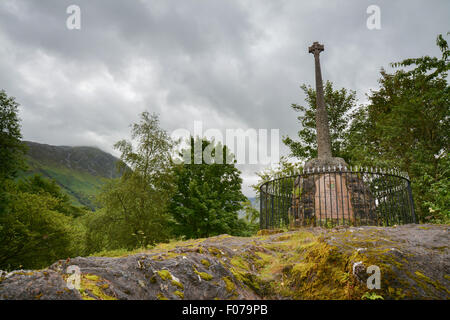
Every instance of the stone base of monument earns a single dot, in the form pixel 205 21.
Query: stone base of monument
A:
pixel 329 194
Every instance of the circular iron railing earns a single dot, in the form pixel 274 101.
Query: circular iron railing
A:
pixel 337 196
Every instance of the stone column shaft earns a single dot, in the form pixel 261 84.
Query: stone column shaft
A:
pixel 322 127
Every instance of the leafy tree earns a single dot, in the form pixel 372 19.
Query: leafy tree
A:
pixel 11 147
pixel 251 214
pixel 33 232
pixel 338 104
pixel 406 125
pixel 208 196
pixel 134 205
pixel 249 224
pixel 285 168
pixel 439 204
pixel 12 150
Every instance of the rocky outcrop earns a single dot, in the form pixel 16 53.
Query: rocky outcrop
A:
pixel 314 263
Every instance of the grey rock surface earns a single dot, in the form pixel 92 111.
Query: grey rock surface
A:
pixel 415 263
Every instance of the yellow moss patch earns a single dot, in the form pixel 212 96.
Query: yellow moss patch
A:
pixel 249 279
pixel 179 293
pixel 284 237
pixel 91 289
pixel 92 277
pixel 265 232
pixel 176 243
pixel 291 242
pixel 321 275
pixel 264 260
pixel 118 252
pixel 215 251
pixel 239 262
pixel 165 255
pixel 160 248
pixel 300 266
pixel 164 274
pixel 203 275
pixel 206 263
pixel 177 284
pixel 24 273
pixel 371 296
pixel 229 284
pixel 397 293
pixel 429 281
pixel 160 296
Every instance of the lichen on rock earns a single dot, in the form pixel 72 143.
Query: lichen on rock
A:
pixel 307 263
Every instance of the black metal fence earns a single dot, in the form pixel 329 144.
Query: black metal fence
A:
pixel 337 196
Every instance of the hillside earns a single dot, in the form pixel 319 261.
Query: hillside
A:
pixel 312 263
pixel 80 171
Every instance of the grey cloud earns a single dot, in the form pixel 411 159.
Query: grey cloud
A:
pixel 228 63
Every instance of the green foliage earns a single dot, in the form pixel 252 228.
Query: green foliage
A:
pixel 208 196
pixel 12 149
pixel 245 228
pixel 338 104
pixel 36 219
pixel 438 202
pixel 286 168
pixel 33 232
pixel 249 225
pixel 371 296
pixel 406 125
pixel 134 205
pixel 251 214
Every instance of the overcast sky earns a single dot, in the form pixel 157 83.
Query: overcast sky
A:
pixel 229 64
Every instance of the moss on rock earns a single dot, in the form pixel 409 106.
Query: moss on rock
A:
pixel 92 288
pixel 206 263
pixel 177 284
pixel 164 274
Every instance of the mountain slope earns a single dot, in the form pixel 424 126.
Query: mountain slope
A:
pixel 79 171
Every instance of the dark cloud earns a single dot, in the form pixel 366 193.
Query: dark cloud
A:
pixel 230 64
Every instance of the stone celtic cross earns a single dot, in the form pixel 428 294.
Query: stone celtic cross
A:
pixel 322 128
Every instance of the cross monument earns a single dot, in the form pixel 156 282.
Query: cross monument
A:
pixel 322 128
